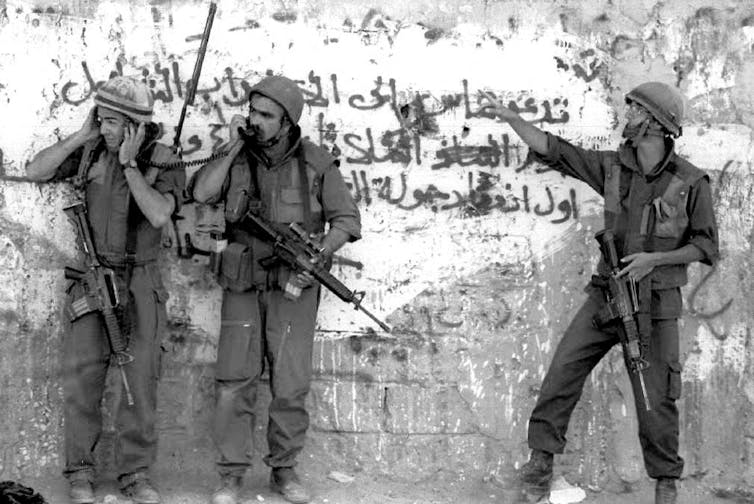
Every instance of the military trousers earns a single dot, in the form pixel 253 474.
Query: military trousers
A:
pixel 86 357
pixel 580 349
pixel 263 327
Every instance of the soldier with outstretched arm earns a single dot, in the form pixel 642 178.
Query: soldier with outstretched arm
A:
pixel 127 201
pixel 658 206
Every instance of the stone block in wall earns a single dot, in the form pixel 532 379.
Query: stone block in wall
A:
pixel 346 406
pixel 433 410
pixel 409 457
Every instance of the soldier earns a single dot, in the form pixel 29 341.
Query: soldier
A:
pixel 286 179
pixel 127 202
pixel 659 207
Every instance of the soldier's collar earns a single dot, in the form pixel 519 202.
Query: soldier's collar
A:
pixel 627 156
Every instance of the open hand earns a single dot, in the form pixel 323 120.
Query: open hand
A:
pixel 639 265
pixel 237 121
pixel 132 140
pixel 90 129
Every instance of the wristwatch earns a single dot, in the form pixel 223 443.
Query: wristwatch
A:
pixel 132 164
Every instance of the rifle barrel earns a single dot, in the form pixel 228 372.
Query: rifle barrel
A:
pixel 379 322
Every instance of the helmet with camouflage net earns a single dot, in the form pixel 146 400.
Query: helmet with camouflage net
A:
pixel 127 96
pixel 663 102
pixel 284 92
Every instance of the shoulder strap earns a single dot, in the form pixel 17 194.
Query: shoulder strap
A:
pixel 309 225
pixel 91 150
pixel 255 197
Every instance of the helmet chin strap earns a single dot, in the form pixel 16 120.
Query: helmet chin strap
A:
pixel 268 143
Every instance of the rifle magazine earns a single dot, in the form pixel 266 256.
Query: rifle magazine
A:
pixel 80 307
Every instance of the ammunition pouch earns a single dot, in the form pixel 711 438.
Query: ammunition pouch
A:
pixel 235 267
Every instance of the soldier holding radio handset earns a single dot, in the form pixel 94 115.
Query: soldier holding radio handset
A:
pixel 269 310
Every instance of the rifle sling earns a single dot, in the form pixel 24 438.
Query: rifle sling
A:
pixel 644 317
pixel 255 198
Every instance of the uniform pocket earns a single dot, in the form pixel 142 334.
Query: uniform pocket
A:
pixel 234 353
pixel 291 208
pixel 666 219
pixel 674 381
pixel 160 292
pixel 161 297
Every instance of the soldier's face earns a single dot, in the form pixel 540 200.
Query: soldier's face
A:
pixel 636 114
pixel 112 124
pixel 266 119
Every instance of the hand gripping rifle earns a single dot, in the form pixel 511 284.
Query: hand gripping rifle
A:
pixel 622 305
pixel 296 250
pixel 191 89
pixel 101 292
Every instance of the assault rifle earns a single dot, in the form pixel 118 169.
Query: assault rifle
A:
pixel 101 292
pixel 296 250
pixel 622 305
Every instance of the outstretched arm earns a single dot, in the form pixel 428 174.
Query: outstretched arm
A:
pixel 534 137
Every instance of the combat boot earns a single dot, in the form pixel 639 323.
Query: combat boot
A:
pixel 665 492
pixel 230 488
pixel 284 481
pixel 81 492
pixel 534 477
pixel 139 489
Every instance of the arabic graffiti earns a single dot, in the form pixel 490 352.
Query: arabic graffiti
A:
pixel 166 86
pixel 595 66
pixel 399 146
pixel 424 321
pixel 478 200
pixel 415 138
pixel 707 317
pixel 479 155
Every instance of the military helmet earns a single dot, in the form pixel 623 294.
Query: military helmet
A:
pixel 127 96
pixel 284 92
pixel 663 102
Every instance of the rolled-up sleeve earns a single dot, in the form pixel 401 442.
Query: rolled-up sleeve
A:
pixel 339 208
pixel 702 224
pixel 170 180
pixel 220 196
pixel 583 164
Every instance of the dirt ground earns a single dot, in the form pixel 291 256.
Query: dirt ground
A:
pixel 366 489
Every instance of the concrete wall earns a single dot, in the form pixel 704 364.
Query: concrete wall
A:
pixel 475 257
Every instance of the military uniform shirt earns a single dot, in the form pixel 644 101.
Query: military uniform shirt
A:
pixel 637 190
pixel 107 200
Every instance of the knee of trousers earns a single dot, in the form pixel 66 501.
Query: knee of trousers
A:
pixel 234 392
